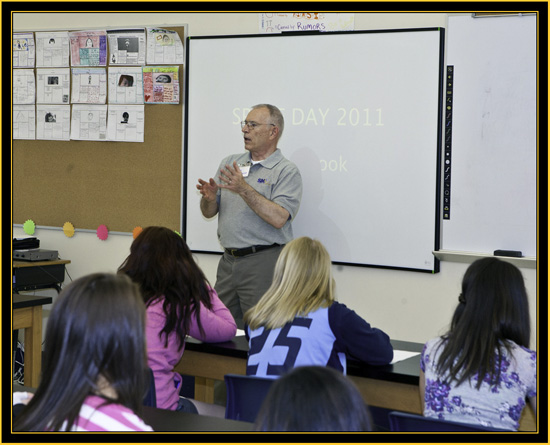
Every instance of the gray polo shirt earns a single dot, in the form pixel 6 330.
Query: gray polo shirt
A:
pixel 275 178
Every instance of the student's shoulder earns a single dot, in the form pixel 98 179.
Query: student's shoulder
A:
pixel 434 340
pixel 339 313
pixel 432 345
pixel 110 416
pixel 337 308
pixel 523 352
pixel 155 305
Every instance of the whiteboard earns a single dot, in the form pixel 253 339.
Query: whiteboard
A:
pixel 362 123
pixel 494 135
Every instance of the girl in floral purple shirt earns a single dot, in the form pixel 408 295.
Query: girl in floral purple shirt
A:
pixel 481 371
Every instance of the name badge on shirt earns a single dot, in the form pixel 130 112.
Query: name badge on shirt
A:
pixel 245 169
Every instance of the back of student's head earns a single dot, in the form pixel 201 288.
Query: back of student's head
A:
pixel 493 308
pixel 313 398
pixel 162 264
pixel 494 295
pixel 302 282
pixel 95 334
pixel 157 257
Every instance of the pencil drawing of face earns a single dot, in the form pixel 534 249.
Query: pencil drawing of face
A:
pixel 163 78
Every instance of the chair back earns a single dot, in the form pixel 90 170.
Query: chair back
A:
pixel 150 398
pixel 400 421
pixel 245 395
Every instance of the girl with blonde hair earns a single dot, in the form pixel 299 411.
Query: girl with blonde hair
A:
pixel 299 312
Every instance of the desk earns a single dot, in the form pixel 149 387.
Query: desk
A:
pixel 27 314
pixel 391 386
pixel 32 275
pixel 166 420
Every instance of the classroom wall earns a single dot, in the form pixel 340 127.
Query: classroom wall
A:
pixel 407 305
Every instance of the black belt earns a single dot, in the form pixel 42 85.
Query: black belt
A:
pixel 248 250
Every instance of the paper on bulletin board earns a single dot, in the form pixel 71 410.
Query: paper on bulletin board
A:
pixel 52 49
pixel 164 47
pixel 88 48
pixel 24 122
pixel 53 86
pixel 271 22
pixel 161 84
pixel 89 122
pixel 23 50
pixel 126 123
pixel 125 85
pixel 127 46
pixel 53 122
pixel 24 87
pixel 89 86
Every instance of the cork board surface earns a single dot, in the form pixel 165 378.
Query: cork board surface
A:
pixel 89 183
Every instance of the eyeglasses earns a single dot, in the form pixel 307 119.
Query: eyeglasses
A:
pixel 251 125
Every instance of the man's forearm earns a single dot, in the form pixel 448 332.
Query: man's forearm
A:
pixel 269 211
pixel 209 209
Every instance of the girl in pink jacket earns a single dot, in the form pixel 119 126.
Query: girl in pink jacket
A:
pixel 179 302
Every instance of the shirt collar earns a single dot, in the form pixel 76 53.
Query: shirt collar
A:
pixel 272 160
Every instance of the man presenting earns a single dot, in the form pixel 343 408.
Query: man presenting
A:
pixel 256 197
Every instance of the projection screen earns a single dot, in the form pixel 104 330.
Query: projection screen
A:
pixel 363 113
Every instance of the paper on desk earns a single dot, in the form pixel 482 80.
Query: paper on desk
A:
pixel 402 355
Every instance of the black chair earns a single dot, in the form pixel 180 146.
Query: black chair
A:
pixel 150 398
pixel 245 395
pixel 400 421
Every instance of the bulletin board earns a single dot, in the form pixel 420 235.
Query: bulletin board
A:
pixel 119 184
